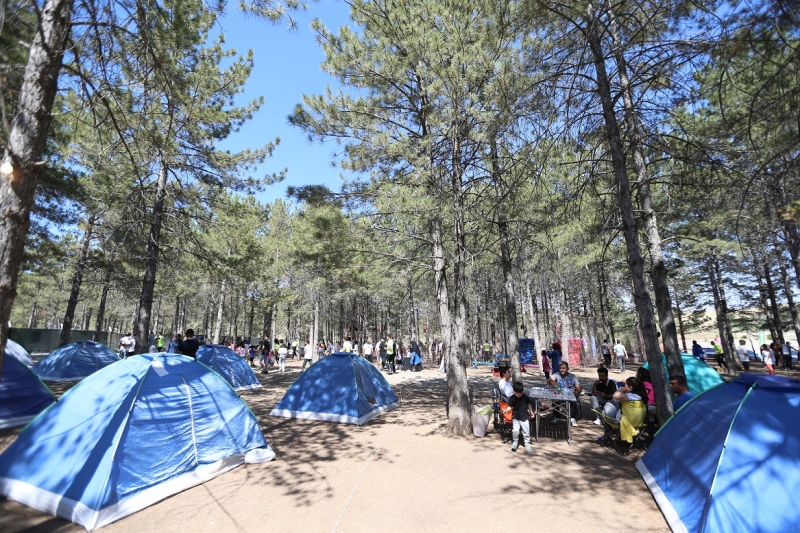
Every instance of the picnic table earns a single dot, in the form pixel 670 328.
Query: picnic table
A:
pixel 561 402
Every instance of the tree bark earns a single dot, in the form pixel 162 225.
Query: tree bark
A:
pixel 658 274
pixel 787 289
pixel 101 310
pixel 77 280
pixel 26 143
pixel 218 323
pixel 512 345
pixel 773 302
pixel 459 415
pixel 641 294
pixel 141 327
pixel 720 307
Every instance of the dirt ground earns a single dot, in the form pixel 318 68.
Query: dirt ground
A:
pixel 399 472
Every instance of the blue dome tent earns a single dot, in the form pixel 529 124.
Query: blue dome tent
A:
pixel 727 461
pixel 342 387
pixel 12 348
pixel 699 376
pixel 129 436
pixel 229 365
pixel 75 361
pixel 22 394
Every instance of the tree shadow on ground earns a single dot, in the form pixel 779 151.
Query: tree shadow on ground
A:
pixel 308 452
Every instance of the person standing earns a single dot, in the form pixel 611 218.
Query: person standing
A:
pixel 175 343
pixel 347 346
pixel 520 404
pixel 124 342
pixel 308 356
pixel 622 355
pixel 605 349
pixel 786 350
pixel 555 356
pixel 744 357
pixel 367 350
pixel 719 355
pixel 768 356
pixel 282 352
pixel 697 351
pixel 160 341
pixel 391 349
pixel 320 350
pixel 189 345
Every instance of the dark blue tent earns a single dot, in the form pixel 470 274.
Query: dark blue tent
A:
pixel 342 387
pixel 128 436
pixel 229 365
pixel 22 394
pixel 75 361
pixel 728 460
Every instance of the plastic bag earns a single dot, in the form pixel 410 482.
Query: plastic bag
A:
pixel 484 410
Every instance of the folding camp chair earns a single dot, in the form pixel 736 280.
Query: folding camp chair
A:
pixel 502 421
pixel 635 414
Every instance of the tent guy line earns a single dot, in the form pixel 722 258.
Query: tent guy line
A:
pixel 366 466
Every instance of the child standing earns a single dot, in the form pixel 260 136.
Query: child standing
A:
pixel 520 403
pixel 282 351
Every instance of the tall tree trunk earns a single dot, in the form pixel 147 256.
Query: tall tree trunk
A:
pixel 251 318
pixel 176 325
pixel 101 310
pixel 641 294
pixel 789 229
pixel 267 329
pixel 459 415
pixel 773 302
pixel 22 162
pixel 658 274
pixel 141 327
pixel 787 289
pixel 680 324
pixel 720 306
pixel 77 280
pixel 537 339
pixel 512 345
pixel 220 308
pixel 32 317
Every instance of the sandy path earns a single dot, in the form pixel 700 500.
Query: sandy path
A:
pixel 400 472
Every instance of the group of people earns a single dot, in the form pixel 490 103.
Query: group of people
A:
pixel 187 346
pixel 608 398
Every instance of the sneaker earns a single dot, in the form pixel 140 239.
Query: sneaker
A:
pixel 573 422
pixel 528 448
pixel 597 422
pixel 514 446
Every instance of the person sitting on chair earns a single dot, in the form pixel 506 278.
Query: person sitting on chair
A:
pixel 603 394
pixel 681 391
pixel 631 397
pixel 643 374
pixel 520 403
pixel 505 386
pixel 567 381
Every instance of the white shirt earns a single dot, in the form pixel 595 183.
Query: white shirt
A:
pixel 282 351
pixel 347 346
pixel 768 356
pixel 506 388
pixel 741 352
pixel 619 349
pixel 309 354
pixel 367 348
pixel 130 343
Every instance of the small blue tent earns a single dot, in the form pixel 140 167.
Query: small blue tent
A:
pixel 75 361
pixel 728 460
pixel 128 436
pixel 699 376
pixel 19 352
pixel 342 387
pixel 229 365
pixel 22 394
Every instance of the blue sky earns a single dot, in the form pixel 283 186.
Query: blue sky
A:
pixel 287 65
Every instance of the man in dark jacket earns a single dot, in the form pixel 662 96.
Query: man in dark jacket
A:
pixel 189 345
